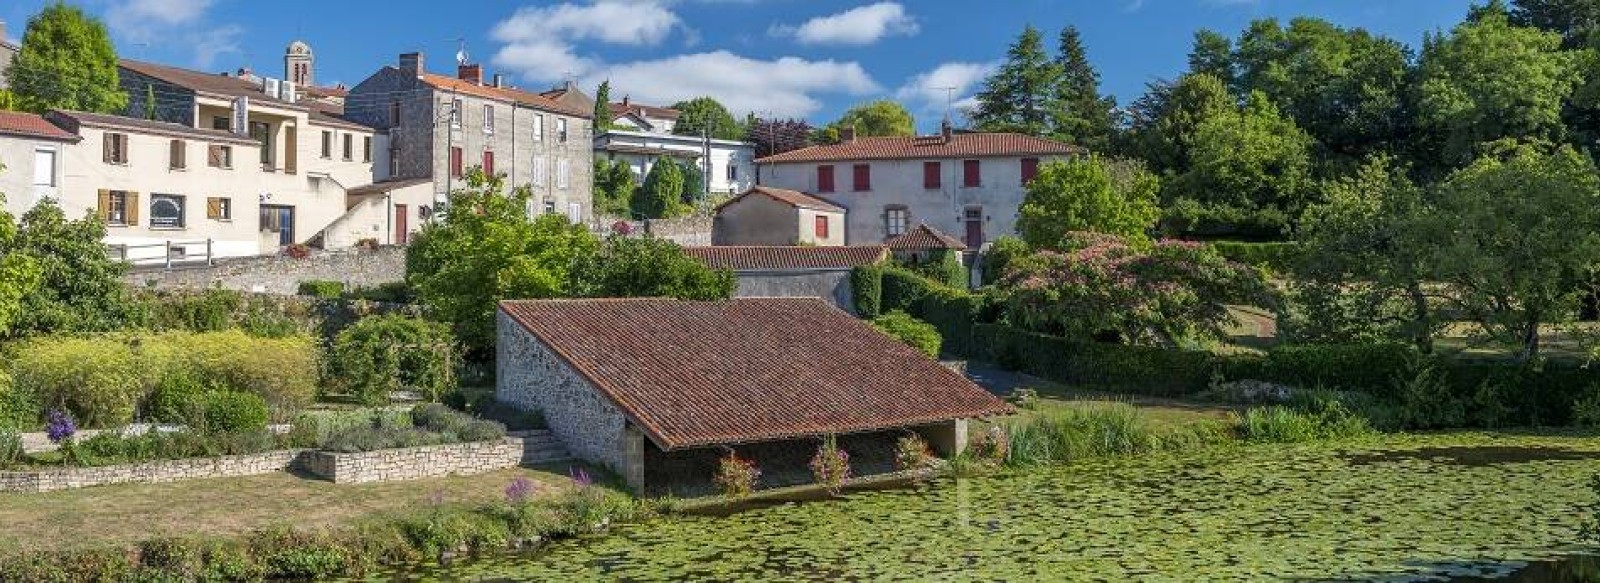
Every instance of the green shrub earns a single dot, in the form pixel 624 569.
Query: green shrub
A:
pixel 18 409
pixel 944 266
pixel 389 293
pixel 903 289
pixel 913 332
pixel 431 424
pixel 441 419
pixel 1342 367
pixel 11 452
pixel 1586 411
pixel 866 289
pixel 953 313
pixel 283 371
pixel 321 288
pixel 230 412
pixel 1001 253
pixel 1277 256
pixel 215 310
pixel 382 354
pixel 176 397
pixel 1132 369
pixel 1425 397
pixel 1277 424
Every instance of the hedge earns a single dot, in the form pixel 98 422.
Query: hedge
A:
pixel 866 290
pixel 1280 257
pixel 903 289
pixel 913 332
pixel 1132 369
pixel 322 288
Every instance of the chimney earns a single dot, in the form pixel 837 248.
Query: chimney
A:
pixel 499 80
pixel 470 73
pixel 946 130
pixel 412 63
pixel 624 102
pixel 847 134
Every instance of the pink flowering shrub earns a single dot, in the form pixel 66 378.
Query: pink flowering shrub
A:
pixel 736 476
pixel 831 465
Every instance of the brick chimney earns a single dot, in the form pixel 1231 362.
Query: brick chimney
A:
pixel 470 73
pixel 847 134
pixel 946 130
pixel 412 63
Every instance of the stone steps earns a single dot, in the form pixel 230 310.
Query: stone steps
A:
pixel 540 447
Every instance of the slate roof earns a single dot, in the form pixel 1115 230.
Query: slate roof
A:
pixel 924 237
pixel 969 145
pixel 213 83
pixel 785 258
pixel 33 126
pixel 699 374
pixel 792 198
pixel 533 100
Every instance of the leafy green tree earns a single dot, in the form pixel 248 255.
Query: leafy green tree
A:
pixel 1519 240
pixel 613 187
pixel 602 106
pixel 1016 97
pixel 487 249
pixel 648 267
pixel 80 287
pixel 1249 174
pixel 66 61
pixel 1577 21
pixel 1212 55
pixel 694 182
pixel 1165 119
pixel 700 113
pixel 999 256
pixel 1079 113
pixel 877 118
pixel 19 273
pixel 1115 197
pixel 662 194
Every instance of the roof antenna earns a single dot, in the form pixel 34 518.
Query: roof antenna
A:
pixel 461 54
pixel 949 101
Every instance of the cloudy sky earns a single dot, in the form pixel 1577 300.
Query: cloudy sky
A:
pixel 803 58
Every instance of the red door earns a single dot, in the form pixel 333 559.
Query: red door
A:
pixel 974 217
pixel 402 230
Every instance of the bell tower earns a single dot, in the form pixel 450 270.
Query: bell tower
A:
pixel 298 63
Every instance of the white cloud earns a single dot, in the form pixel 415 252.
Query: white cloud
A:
pixel 637 23
pixel 785 87
pixel 948 81
pixel 210 44
pixel 140 19
pixel 863 25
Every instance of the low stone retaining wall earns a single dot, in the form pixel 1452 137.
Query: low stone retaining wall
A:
pixel 281 275
pixel 151 472
pixel 415 462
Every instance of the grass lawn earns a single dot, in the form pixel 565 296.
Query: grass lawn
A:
pixel 129 513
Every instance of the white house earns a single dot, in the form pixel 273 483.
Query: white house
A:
pixel 642 134
pixel 966 183
pixel 31 152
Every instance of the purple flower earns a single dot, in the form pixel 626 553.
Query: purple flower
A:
pixel 60 426
pixel 520 490
pixel 580 477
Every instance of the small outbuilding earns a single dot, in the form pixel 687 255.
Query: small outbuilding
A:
pixel 659 390
pixel 774 216
pixel 922 243
pixel 793 272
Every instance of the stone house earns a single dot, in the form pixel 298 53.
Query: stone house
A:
pixel 657 390
pixel 32 150
pixel 439 126
pixel 793 272
pixel 775 216
pixel 967 183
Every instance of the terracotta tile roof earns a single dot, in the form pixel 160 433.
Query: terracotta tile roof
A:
pixel 644 110
pixel 792 198
pixel 33 126
pixel 697 374
pixel 385 186
pixel 783 258
pixel 220 84
pixel 925 237
pixel 534 100
pixel 73 119
pixel 972 145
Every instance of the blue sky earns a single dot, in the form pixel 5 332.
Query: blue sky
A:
pixel 806 58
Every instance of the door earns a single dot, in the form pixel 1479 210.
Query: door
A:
pixel 280 220
pixel 402 229
pixel 974 219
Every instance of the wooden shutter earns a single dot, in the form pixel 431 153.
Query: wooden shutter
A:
pixel 104 206
pixel 1030 169
pixel 862 177
pixel 131 213
pixel 971 177
pixel 824 179
pixel 930 175
pixel 213 208
pixel 214 156
pixel 105 143
pixel 179 155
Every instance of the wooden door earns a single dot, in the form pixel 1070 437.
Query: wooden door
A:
pixel 402 229
pixel 974 219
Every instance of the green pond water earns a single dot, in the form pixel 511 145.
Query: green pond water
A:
pixel 1395 508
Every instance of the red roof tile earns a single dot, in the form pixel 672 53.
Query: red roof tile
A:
pixel 644 110
pixel 924 237
pixel 792 198
pixel 974 145
pixel 534 100
pixel 33 126
pixel 697 374
pixel 778 258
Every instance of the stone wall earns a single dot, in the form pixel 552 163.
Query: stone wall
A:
pixel 688 231
pixel 282 274
pixel 531 377
pixel 150 473
pixel 832 286
pixel 415 462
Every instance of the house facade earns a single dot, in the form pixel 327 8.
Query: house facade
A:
pixel 774 216
pixel 969 184
pixel 439 126
pixel 33 152
pixel 793 271
pixel 641 135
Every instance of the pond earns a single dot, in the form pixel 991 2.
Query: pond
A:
pixel 1394 508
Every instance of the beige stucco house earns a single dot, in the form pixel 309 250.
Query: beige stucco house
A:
pixel 775 216
pixel 31 150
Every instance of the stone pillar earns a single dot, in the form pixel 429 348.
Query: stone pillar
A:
pixel 949 438
pixel 633 459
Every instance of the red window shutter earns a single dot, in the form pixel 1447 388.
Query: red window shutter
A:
pixel 455 162
pixel 822 227
pixel 931 176
pixel 488 163
pixel 1030 169
pixel 824 179
pixel 862 178
pixel 970 176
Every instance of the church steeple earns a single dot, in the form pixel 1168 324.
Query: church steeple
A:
pixel 299 63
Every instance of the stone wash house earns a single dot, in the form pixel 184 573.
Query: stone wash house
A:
pixel 658 390
pixel 793 272
pixel 966 183
pixel 775 216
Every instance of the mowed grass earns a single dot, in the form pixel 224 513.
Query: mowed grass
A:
pixel 124 514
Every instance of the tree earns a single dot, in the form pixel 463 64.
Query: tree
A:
pixel 694 183
pixel 1114 197
pixel 80 287
pixel 66 61
pixel 662 194
pixel 648 267
pixel 876 118
pixel 1249 174
pixel 487 249
pixel 1165 119
pixel 1016 97
pixel 773 137
pixel 1519 240
pixel 602 106
pixel 1212 55
pixel 1577 21
pixel 1079 113
pixel 19 273
pixel 613 187
pixel 700 113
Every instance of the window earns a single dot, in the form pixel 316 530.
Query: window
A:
pixel 394 113
pixel 563 173
pixel 549 205
pixel 894 221
pixel 262 132
pixel 455 113
pixel 488 162
pixel 327 145
pixel 538 127
pixel 822 227
pixel 970 174
pixel 119 207
pixel 824 178
pixel 219 208
pixel 166 211
pixel 861 177
pixel 488 119
pixel 574 213
pixel 539 172
pixel 455 162
pixel 221 123
pixel 733 170
pixel 561 129
pixel 394 162
pixel 932 176
pixel 366 148
pixel 44 167
pixel 1030 169
pixel 349 147
pixel 177 155
pixel 116 148
pixel 218 156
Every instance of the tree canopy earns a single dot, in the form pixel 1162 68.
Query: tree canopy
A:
pixel 1114 197
pixel 695 115
pixel 663 192
pixel 1249 174
pixel 1057 96
pixel 66 61
pixel 875 118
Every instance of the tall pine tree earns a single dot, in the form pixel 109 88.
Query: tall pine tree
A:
pixel 602 106
pixel 1078 113
pixel 1016 97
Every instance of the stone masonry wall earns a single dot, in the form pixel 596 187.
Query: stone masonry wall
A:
pixel 150 473
pixel 831 286
pixel 531 377
pixel 281 274
pixel 415 462
pixel 692 231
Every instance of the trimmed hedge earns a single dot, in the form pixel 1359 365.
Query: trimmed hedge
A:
pixel 866 290
pixel 1132 369
pixel 911 331
pixel 1279 257
pixel 903 289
